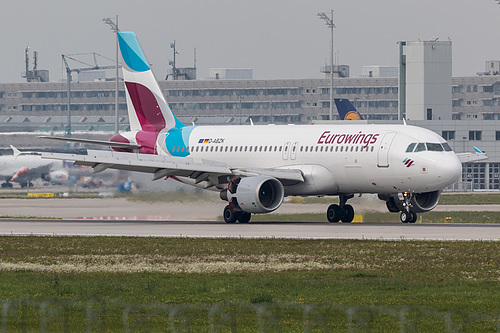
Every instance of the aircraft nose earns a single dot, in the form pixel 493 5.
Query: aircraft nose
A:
pixel 450 171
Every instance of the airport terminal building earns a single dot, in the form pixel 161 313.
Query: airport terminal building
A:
pixel 475 115
pixel 298 101
pixel 466 112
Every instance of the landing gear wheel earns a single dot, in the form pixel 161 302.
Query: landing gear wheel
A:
pixel 333 213
pixel 229 215
pixel 413 217
pixel 408 217
pixel 348 214
pixel 244 217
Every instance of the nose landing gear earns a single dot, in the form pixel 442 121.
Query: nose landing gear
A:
pixel 407 216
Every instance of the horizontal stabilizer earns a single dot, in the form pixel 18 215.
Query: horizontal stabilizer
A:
pixel 94 142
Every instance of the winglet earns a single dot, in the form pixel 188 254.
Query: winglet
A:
pixel 251 121
pixel 404 122
pixel 16 151
pixel 477 150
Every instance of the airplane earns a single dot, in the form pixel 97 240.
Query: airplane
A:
pixel 25 169
pixel 254 167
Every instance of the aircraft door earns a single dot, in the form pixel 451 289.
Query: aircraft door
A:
pixel 293 151
pixel 286 148
pixel 383 151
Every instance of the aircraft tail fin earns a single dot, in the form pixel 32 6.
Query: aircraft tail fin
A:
pixel 148 109
pixel 346 110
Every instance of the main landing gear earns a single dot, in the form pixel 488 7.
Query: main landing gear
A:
pixel 230 216
pixel 407 216
pixel 341 212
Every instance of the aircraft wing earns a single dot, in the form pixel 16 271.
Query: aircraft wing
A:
pixel 471 157
pixel 478 155
pixel 163 166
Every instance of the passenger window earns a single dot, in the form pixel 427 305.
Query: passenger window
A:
pixel 337 149
pixel 250 148
pixel 306 148
pixel 212 149
pixel 410 147
pixel 265 148
pixel 341 148
pixel 420 147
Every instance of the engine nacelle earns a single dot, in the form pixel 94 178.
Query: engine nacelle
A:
pixel 259 194
pixel 420 203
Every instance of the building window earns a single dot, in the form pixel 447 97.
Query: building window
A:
pixel 448 135
pixel 429 114
pixel 475 135
pixel 497 135
pixel 488 89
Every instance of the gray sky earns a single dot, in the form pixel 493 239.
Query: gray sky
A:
pixel 277 38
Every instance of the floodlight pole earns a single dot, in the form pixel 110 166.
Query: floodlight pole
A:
pixel 331 25
pixel 114 27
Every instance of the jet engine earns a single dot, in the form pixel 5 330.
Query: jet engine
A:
pixel 56 177
pixel 420 202
pixel 259 194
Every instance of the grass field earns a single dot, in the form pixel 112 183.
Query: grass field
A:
pixel 469 198
pixel 154 273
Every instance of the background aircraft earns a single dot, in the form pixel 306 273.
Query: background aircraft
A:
pixel 346 110
pixel 26 169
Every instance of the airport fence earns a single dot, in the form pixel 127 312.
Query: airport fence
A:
pixel 109 316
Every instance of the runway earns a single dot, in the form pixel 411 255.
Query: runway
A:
pixel 372 231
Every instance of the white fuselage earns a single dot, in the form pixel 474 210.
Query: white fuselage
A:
pixel 350 158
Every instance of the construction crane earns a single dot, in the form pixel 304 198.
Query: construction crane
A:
pixel 69 70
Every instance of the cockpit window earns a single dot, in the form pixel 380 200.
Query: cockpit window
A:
pixel 428 146
pixel 410 147
pixel 434 146
pixel 447 147
pixel 420 147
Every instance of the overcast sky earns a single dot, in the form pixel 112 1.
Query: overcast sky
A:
pixel 277 38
